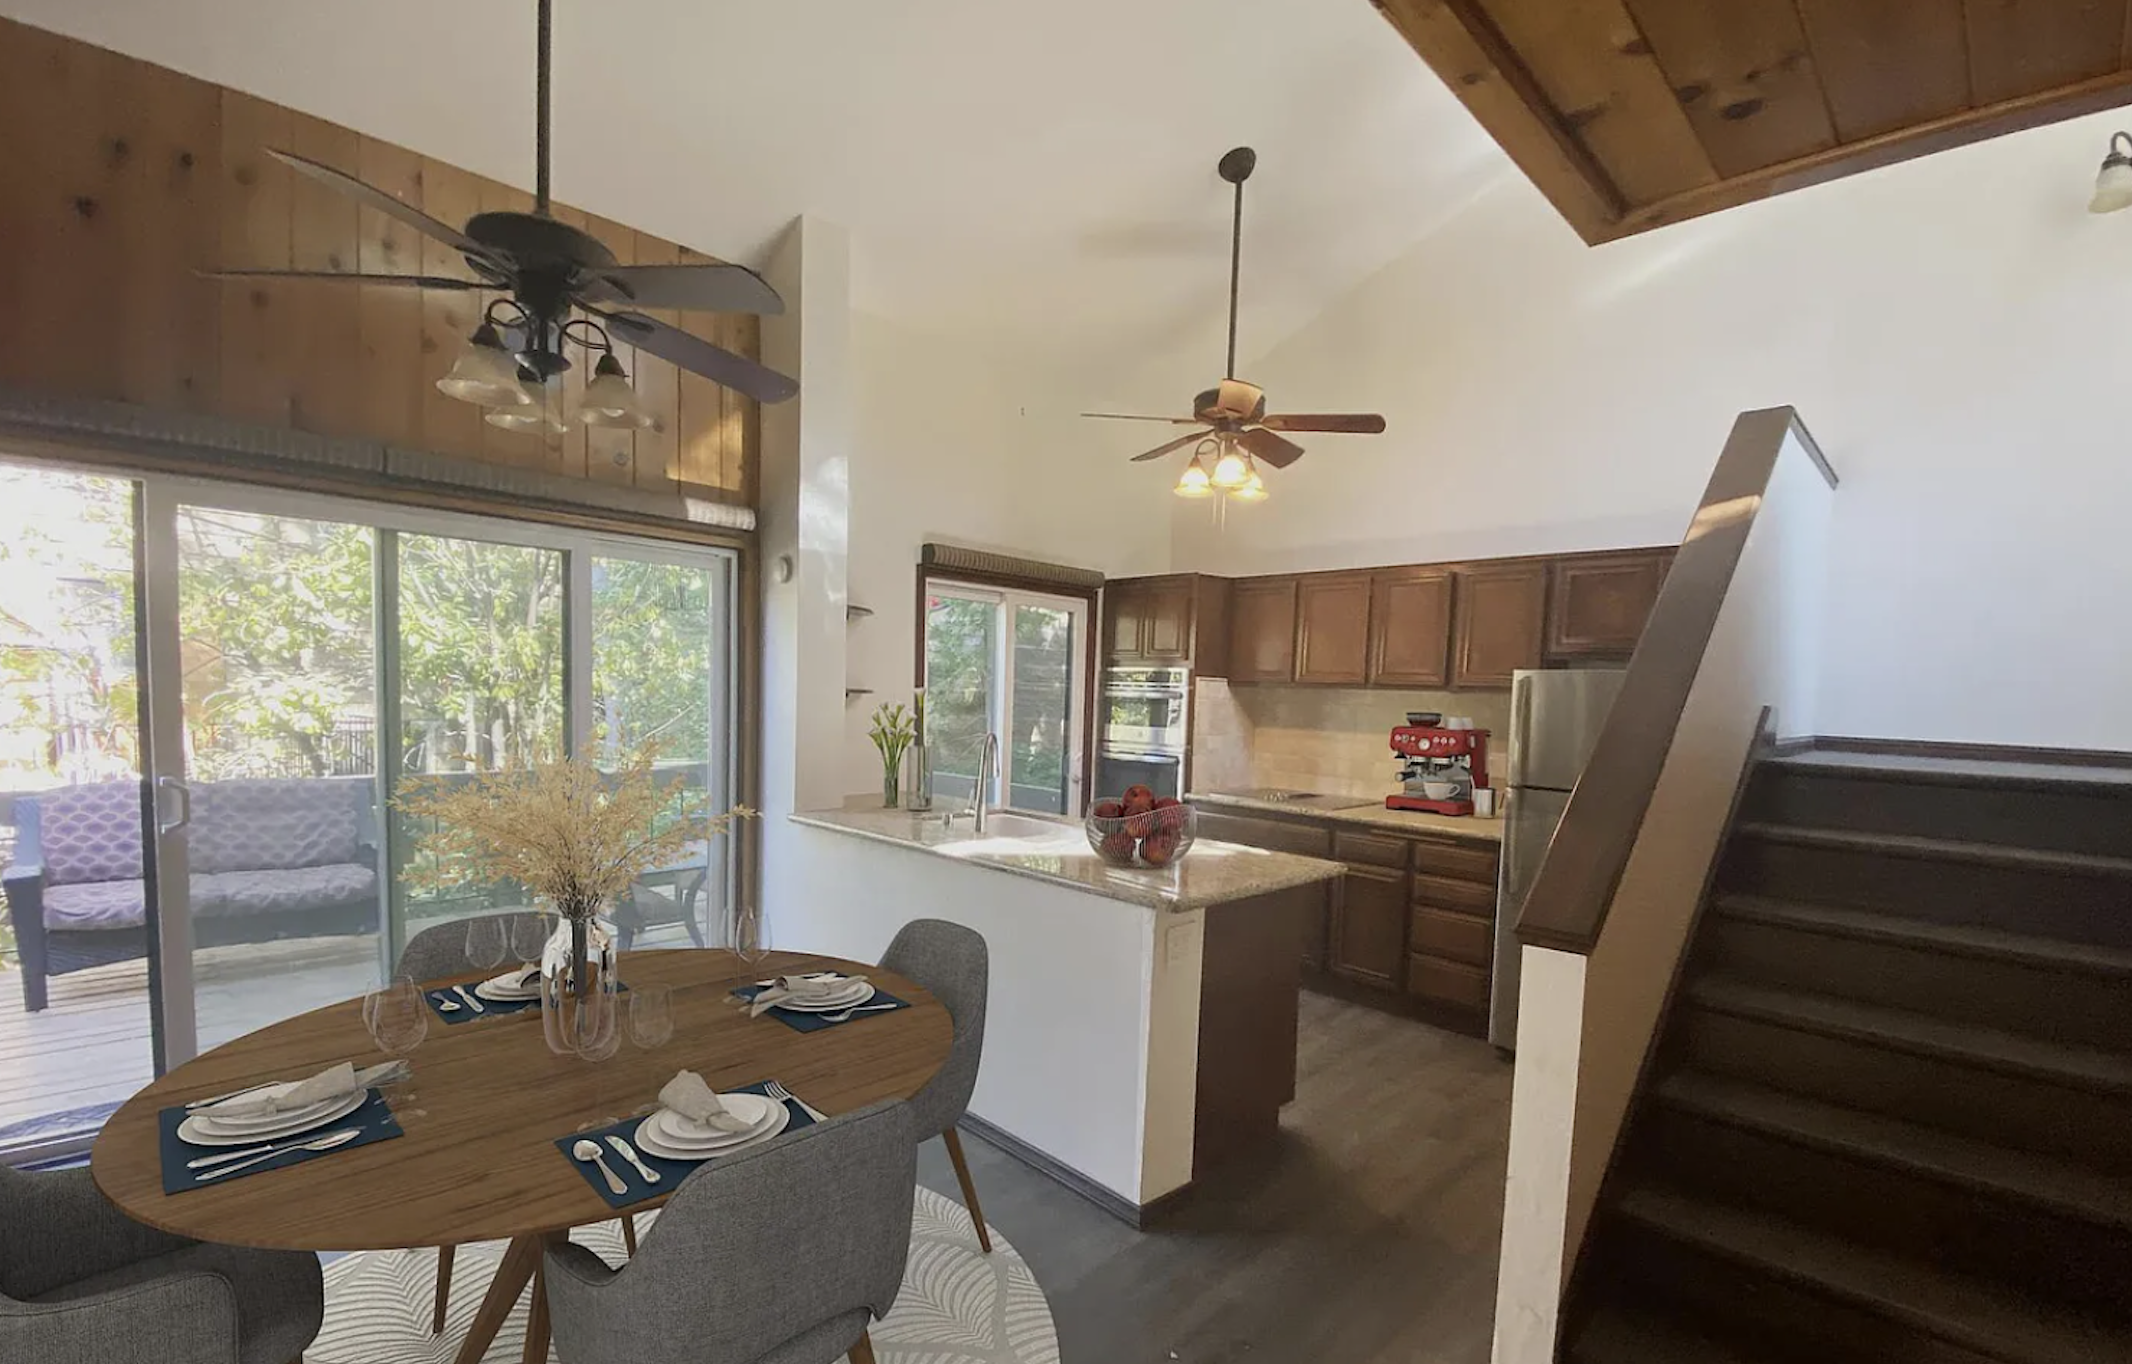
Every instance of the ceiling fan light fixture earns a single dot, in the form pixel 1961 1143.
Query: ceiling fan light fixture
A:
pixel 1233 469
pixel 609 401
pixel 485 373
pixel 533 416
pixel 2113 183
pixel 1194 481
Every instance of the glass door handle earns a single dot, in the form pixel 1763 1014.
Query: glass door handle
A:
pixel 183 795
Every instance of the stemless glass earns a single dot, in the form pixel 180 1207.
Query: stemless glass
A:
pixel 651 1014
pixel 397 1018
pixel 487 941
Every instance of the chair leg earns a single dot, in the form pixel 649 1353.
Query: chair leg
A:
pixel 444 1288
pixel 863 1352
pixel 629 1235
pixel 969 1190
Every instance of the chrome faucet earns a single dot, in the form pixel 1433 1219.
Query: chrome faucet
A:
pixel 987 767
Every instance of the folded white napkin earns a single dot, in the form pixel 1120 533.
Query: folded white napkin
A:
pixel 334 1082
pixel 804 989
pixel 688 1095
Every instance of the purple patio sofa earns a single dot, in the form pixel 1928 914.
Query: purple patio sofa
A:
pixel 269 858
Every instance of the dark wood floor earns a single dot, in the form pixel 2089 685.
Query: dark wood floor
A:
pixel 1369 1238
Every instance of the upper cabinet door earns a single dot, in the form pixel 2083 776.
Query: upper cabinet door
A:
pixel 1598 605
pixel 1262 628
pixel 1502 612
pixel 1410 627
pixel 1333 628
pixel 1126 607
pixel 1166 621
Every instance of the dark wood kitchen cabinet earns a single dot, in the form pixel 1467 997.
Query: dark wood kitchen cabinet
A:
pixel 1262 630
pixel 1410 627
pixel 1369 926
pixel 1597 604
pixel 1177 620
pixel 1288 836
pixel 1332 628
pixel 1501 622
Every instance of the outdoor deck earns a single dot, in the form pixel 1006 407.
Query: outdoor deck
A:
pixel 90 1048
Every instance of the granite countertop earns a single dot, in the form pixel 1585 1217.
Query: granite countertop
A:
pixel 1374 816
pixel 1212 873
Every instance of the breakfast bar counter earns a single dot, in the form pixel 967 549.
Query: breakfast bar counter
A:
pixel 1141 1026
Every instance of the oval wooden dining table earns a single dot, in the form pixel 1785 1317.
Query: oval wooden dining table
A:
pixel 481 1116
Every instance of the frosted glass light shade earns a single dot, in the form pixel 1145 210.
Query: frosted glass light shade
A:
pixel 1231 470
pixel 1193 482
pixel 609 400
pixel 2113 185
pixel 1253 489
pixel 485 373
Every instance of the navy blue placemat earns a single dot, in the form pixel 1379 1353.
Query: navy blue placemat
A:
pixel 671 1172
pixel 800 1021
pixel 490 1008
pixel 374 1117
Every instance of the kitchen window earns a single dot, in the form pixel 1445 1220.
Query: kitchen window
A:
pixel 1015 664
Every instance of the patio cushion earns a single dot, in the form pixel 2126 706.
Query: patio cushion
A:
pixel 280 1296
pixel 272 892
pixel 95 905
pixel 91 833
pixel 265 824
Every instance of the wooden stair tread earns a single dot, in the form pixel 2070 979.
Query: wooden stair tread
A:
pixel 1988 1048
pixel 2032 774
pixel 2062 1187
pixel 1921 848
pixel 1618 1334
pixel 1968 1312
pixel 2056 954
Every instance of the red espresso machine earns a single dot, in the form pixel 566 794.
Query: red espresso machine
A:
pixel 1438 768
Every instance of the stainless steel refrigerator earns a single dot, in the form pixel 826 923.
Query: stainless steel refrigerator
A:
pixel 1555 717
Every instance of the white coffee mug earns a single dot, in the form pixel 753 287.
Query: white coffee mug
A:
pixel 1484 801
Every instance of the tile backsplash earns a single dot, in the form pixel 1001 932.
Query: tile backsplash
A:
pixel 1329 739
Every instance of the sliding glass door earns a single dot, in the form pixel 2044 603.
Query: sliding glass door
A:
pixel 211 695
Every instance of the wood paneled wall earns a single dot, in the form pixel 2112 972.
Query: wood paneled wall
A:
pixel 120 179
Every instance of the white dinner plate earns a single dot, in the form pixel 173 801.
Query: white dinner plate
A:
pixel 653 1134
pixel 202 1130
pixel 832 1004
pixel 506 989
pixel 752 1110
pixel 235 1121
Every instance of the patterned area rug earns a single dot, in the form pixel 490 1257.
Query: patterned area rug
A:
pixel 958 1305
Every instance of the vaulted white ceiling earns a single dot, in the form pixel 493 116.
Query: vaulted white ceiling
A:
pixel 1039 173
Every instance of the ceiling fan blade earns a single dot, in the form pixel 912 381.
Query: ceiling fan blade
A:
pixel 698 356
pixel 1353 423
pixel 406 281
pixel 372 197
pixel 713 288
pixel 1263 444
pixel 1135 417
pixel 1178 444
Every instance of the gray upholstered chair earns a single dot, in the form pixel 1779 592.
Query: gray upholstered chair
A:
pixel 82 1283
pixel 433 954
pixel 953 963
pixel 784 1254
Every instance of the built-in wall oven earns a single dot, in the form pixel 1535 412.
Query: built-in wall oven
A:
pixel 1145 722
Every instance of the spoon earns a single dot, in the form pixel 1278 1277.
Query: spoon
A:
pixel 325 1143
pixel 590 1150
pixel 444 1002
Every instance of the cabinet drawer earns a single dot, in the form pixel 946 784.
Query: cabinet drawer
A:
pixel 1459 861
pixel 1467 897
pixel 1447 982
pixel 1370 849
pixel 1461 937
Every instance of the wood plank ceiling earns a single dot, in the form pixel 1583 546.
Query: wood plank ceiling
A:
pixel 1630 114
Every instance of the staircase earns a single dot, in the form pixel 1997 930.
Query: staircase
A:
pixel 1890 1119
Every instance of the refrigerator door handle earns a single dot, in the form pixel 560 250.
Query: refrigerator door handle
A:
pixel 1520 725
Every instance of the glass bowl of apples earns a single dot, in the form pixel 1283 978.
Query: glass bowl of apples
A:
pixel 1141 829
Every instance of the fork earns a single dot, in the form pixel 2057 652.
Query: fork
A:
pixel 773 1090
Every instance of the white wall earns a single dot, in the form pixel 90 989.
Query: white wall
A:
pixel 1954 331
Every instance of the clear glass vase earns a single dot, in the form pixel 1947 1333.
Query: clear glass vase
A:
pixel 580 1009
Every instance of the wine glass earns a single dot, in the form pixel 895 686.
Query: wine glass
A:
pixel 751 933
pixel 397 1018
pixel 651 1015
pixel 487 941
pixel 529 937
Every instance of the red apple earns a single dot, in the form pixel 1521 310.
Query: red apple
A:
pixel 1159 848
pixel 1108 809
pixel 1117 846
pixel 1139 792
pixel 1141 823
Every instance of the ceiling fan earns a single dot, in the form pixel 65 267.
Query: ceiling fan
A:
pixel 1235 428
pixel 549 271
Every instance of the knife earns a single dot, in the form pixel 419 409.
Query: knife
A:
pixel 628 1153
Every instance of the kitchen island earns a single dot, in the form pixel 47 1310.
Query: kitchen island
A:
pixel 1141 1029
